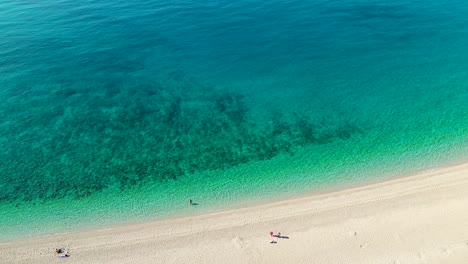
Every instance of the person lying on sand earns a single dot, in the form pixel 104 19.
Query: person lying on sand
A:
pixel 63 253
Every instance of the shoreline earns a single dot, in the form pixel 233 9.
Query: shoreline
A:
pixel 322 189
pixel 235 228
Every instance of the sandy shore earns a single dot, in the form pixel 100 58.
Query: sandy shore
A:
pixel 417 219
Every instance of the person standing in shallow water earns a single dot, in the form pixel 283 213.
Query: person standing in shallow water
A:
pixel 190 201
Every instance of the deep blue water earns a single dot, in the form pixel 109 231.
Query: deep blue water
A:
pixel 165 100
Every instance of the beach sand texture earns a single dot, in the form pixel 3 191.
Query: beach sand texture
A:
pixel 417 219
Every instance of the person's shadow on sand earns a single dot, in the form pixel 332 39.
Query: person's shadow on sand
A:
pixel 282 237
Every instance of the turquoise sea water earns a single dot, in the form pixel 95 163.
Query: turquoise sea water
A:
pixel 115 111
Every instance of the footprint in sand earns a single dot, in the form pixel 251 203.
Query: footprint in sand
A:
pixel 363 245
pixel 446 251
pixel 238 242
pixel 421 255
pixel 397 237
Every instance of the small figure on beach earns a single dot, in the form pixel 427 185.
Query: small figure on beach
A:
pixel 273 238
pixel 63 253
pixel 191 202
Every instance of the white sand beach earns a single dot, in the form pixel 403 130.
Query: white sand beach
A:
pixel 417 219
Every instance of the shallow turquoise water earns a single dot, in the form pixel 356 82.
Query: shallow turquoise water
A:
pixel 121 111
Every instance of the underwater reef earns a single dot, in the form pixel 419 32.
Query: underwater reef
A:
pixel 77 140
